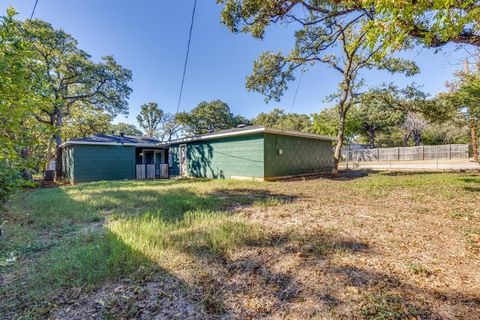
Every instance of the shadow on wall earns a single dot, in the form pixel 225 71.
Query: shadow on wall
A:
pixel 200 162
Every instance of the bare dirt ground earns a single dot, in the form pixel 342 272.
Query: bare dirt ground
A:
pixel 426 165
pixel 390 246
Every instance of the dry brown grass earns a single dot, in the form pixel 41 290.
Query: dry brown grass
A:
pixel 382 246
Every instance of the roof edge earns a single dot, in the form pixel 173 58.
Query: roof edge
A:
pixel 69 143
pixel 299 134
pixel 250 131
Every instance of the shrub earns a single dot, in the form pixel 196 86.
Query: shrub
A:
pixel 10 180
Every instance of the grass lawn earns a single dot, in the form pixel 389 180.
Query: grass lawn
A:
pixel 376 246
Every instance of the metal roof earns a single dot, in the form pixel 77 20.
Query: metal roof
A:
pixel 104 139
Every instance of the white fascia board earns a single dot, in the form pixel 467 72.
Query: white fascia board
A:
pixel 238 133
pixel 299 134
pixel 219 135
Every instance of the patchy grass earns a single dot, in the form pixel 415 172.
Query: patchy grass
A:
pixel 388 307
pixel 418 269
pixel 376 246
pixel 472 237
pixel 271 201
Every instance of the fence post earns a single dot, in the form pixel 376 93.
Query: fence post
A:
pixel 398 153
pixel 449 152
pixel 423 152
pixel 348 156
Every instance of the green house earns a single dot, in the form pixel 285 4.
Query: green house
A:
pixel 250 152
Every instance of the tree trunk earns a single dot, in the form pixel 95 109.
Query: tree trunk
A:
pixel 417 137
pixel 371 137
pixel 26 172
pixel 473 132
pixel 49 154
pixel 406 137
pixel 338 147
pixel 58 149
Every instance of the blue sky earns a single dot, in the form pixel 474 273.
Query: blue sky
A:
pixel 149 38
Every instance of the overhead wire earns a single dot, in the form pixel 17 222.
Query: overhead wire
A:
pixel 296 91
pixel 33 10
pixel 186 57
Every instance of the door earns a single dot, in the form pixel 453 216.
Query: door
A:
pixel 149 162
pixel 183 160
pixel 149 157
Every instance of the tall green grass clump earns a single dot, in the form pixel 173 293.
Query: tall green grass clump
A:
pixel 87 261
pixel 197 233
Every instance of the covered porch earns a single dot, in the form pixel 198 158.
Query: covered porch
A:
pixel 151 163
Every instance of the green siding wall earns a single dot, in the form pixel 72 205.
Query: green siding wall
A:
pixel 223 157
pixel 92 163
pixel 174 165
pixel 300 155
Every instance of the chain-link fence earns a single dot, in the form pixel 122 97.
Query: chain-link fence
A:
pixel 440 152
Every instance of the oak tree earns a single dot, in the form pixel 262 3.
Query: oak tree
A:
pixel 208 117
pixel 149 118
pixel 73 80
pixel 280 119
pixel 342 45
pixel 126 128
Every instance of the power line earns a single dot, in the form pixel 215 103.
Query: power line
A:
pixel 33 11
pixel 296 91
pixel 186 57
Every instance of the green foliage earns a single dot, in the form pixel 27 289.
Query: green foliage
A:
pixel 395 23
pixel 209 116
pixel 465 92
pixel 74 83
pixel 332 33
pixel 271 73
pixel 87 121
pixel 21 86
pixel 376 116
pixel 169 127
pixel 450 132
pixel 150 118
pixel 278 118
pixel 386 110
pixel 326 123
pixel 10 180
pixel 51 90
pixel 464 97
pixel 128 129
pixel 431 23
pixel 157 123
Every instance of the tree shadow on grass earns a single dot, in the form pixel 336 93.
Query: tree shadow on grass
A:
pixel 92 258
pixel 242 276
pixel 386 296
pixel 253 285
pixel 135 183
pixel 66 207
pixel 472 183
pixel 99 276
